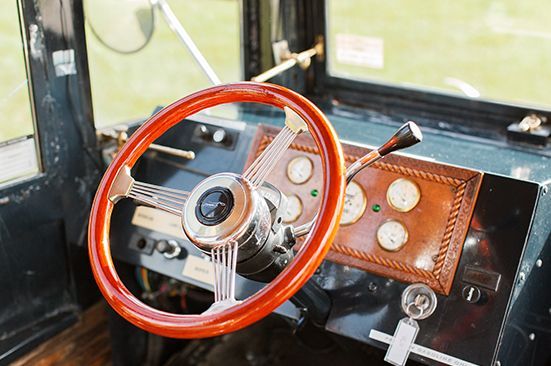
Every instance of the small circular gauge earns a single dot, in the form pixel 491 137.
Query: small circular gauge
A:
pixel 300 169
pixel 392 235
pixel 294 209
pixel 403 195
pixel 354 204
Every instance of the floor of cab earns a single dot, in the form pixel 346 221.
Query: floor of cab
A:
pixel 85 343
pixel 273 341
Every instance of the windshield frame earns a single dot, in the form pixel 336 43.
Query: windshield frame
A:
pixel 397 99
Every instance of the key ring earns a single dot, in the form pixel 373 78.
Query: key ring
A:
pixel 410 313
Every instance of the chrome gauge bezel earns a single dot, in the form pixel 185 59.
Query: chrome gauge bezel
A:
pixel 294 161
pixel 361 212
pixel 404 242
pixel 295 218
pixel 394 185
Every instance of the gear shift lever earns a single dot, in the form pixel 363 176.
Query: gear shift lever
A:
pixel 407 135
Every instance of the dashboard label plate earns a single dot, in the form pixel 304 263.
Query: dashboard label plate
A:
pixel 156 220
pixel 422 351
pixel 199 269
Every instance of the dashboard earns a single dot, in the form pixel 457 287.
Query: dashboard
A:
pixel 408 221
pixel 403 218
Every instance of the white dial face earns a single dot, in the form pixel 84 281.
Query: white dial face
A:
pixel 403 195
pixel 392 235
pixel 300 169
pixel 294 209
pixel 354 204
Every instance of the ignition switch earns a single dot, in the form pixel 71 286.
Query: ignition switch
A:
pixel 418 301
pixel 169 248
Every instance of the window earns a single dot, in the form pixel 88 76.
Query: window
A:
pixel 18 150
pixel 494 50
pixel 129 86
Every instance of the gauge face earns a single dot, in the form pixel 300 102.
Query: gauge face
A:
pixel 354 204
pixel 403 195
pixel 294 209
pixel 300 169
pixel 392 235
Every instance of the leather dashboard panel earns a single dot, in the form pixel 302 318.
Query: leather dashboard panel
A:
pixel 437 226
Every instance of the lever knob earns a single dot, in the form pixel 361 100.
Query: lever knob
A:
pixel 407 135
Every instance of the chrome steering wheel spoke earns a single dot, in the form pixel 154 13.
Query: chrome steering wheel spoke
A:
pixel 258 171
pixel 166 199
pixel 224 260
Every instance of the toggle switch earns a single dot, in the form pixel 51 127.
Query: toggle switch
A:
pixel 169 248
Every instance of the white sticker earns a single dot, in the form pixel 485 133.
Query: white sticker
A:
pixel 404 336
pixel 199 269
pixel 18 159
pixel 64 62
pixel 160 221
pixel 422 351
pixel 359 50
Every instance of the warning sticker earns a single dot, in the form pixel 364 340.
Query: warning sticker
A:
pixel 359 50
pixel 18 159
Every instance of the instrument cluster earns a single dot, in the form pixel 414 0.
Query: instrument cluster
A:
pixel 403 218
pixel 402 195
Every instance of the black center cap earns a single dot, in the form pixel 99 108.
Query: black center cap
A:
pixel 214 206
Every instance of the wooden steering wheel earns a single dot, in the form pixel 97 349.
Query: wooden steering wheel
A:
pixel 219 213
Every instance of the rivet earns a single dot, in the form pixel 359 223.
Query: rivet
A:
pixel 531 336
pixel 539 263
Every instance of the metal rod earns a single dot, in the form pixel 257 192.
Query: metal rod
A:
pixel 121 137
pixel 186 154
pixel 302 58
pixel 181 33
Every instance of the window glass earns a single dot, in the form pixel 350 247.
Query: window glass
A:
pixel 130 76
pixel 18 152
pixel 497 49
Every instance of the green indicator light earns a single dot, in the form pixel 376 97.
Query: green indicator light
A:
pixel 314 192
pixel 376 208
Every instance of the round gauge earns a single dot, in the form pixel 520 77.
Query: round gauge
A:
pixel 294 209
pixel 354 204
pixel 392 235
pixel 403 195
pixel 300 169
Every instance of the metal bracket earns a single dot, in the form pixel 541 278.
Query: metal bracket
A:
pixel 285 59
pixel 532 129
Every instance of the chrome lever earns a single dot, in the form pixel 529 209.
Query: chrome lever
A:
pixel 407 135
pixel 121 136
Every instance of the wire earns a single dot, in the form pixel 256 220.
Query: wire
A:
pixel 145 279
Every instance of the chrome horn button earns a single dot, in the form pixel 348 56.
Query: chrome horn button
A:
pixel 225 208
pixel 214 206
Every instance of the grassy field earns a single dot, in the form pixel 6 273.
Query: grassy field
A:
pixel 126 87
pixel 14 96
pixel 502 48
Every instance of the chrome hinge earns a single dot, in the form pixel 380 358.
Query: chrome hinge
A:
pixel 532 129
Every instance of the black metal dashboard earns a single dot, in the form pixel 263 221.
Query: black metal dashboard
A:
pixel 508 235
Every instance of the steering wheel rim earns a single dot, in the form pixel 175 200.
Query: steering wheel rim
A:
pixel 297 273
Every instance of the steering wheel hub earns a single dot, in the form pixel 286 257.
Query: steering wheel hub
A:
pixel 225 208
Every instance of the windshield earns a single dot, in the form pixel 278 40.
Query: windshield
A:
pixel 497 49
pixel 137 62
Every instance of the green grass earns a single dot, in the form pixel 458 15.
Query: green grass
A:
pixel 14 97
pixel 501 47
pixel 126 87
